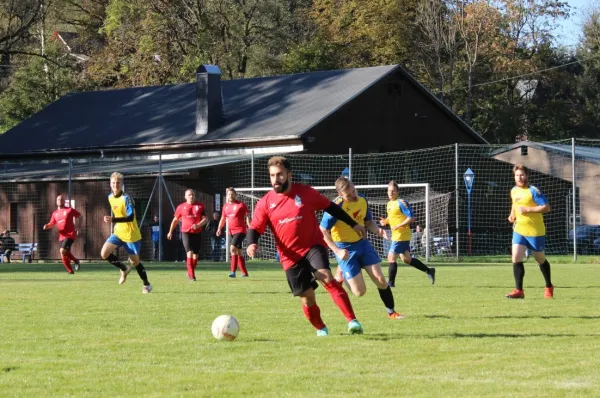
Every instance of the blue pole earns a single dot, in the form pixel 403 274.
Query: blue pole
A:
pixel 469 220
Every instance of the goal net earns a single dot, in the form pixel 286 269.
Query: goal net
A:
pixel 430 234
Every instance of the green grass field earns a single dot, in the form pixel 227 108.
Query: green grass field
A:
pixel 84 335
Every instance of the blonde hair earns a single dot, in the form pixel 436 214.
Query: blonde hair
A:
pixel 521 167
pixel 341 184
pixel 393 184
pixel 117 176
pixel 231 189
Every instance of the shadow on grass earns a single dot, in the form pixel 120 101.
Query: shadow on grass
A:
pixel 515 317
pixel 389 337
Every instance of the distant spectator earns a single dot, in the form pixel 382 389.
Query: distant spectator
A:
pixel 155 226
pixel 215 241
pixel 8 245
pixel 417 240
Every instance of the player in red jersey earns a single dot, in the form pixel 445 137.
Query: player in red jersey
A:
pixel 193 218
pixel 236 213
pixel 289 211
pixel 64 218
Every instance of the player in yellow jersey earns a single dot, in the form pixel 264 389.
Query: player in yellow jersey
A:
pixel 125 234
pixel 529 232
pixel 352 252
pixel 399 217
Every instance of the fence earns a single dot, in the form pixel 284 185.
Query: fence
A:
pixel 472 223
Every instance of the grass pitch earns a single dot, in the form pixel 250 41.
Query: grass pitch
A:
pixel 84 335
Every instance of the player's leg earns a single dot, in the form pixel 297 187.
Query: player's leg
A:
pixel 189 255
pixel 237 242
pixel 372 266
pixel 7 255
pixel 318 259
pixel 352 269
pixel 392 264
pixel 133 252
pixel 519 246
pixel 107 253
pixel 385 291
pixel 234 261
pixel 407 258
pixel 67 245
pixel 539 243
pixel 195 246
pixel 302 284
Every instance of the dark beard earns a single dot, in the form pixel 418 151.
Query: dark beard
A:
pixel 283 187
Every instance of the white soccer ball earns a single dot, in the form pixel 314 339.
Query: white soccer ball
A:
pixel 225 327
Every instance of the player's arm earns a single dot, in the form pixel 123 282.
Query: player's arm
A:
pixel 340 253
pixel 50 224
pixel 407 211
pixel 221 224
pixel 129 212
pixel 540 200
pixel 248 220
pixel 257 228
pixel 203 221
pixel 337 212
pixel 513 215
pixel 372 226
pixel 172 227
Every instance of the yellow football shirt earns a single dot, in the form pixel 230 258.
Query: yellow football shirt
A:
pixel 340 231
pixel 529 224
pixel 397 212
pixel 123 206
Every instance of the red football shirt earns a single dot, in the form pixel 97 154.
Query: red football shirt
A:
pixel 190 214
pixel 291 217
pixel 236 213
pixel 63 218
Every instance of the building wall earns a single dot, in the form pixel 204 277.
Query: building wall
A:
pixel 37 201
pixel 560 166
pixel 393 115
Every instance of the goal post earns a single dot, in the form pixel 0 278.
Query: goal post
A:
pixel 430 211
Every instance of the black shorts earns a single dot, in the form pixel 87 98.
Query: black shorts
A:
pixel 67 243
pixel 300 276
pixel 237 240
pixel 192 242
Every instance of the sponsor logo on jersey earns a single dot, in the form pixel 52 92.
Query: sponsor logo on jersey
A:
pixel 289 220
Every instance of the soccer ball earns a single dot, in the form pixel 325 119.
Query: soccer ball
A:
pixel 225 327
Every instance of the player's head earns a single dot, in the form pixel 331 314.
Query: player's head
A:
pixel 521 174
pixel 6 232
pixel 190 196
pixel 231 195
pixel 280 173
pixel 392 190
pixel 155 218
pixel 116 182
pixel 216 215
pixel 60 201
pixel 346 189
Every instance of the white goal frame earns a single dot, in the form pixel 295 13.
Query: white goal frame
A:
pixel 332 188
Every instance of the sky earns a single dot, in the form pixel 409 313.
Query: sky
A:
pixel 570 30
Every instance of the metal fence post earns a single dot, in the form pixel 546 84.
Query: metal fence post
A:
pixel 456 197
pixel 574 199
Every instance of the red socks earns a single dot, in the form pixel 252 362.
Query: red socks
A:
pixel 313 314
pixel 72 257
pixel 233 262
pixel 341 299
pixel 67 263
pixel 189 262
pixel 242 264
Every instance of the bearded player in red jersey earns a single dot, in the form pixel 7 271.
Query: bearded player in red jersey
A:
pixel 64 217
pixel 289 211
pixel 193 218
pixel 235 213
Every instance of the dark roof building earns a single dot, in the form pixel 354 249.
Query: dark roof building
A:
pixel 376 109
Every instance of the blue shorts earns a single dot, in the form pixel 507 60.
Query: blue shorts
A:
pixel 399 247
pixel 533 243
pixel 132 248
pixel 361 254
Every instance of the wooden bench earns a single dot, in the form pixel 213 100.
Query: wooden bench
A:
pixel 27 250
